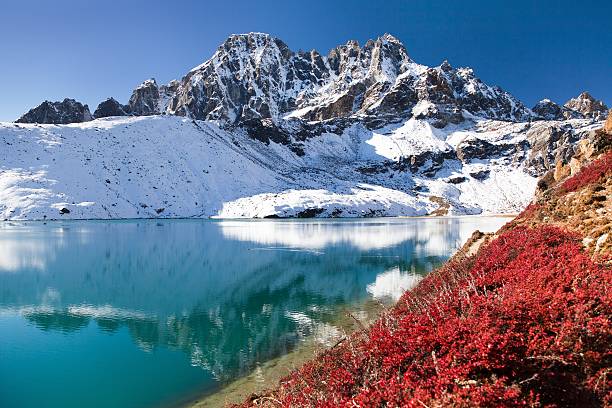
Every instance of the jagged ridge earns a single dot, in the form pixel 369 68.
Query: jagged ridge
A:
pixel 254 78
pixel 363 131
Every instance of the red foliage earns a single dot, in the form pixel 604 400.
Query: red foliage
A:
pixel 527 323
pixel 589 174
pixel 529 211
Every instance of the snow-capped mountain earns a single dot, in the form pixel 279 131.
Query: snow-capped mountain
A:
pixel 588 106
pixel 583 106
pixel 256 76
pixel 261 131
pixel 549 110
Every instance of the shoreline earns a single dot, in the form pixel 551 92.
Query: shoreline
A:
pixel 288 219
pixel 266 375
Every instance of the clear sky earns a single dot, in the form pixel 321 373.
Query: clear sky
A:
pixel 91 50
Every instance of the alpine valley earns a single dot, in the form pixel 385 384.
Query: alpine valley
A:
pixel 261 131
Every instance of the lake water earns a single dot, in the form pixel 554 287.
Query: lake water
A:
pixel 151 313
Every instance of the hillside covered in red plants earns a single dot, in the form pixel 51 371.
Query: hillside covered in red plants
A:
pixel 522 318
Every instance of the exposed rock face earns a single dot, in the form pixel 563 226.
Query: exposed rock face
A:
pixel 67 111
pixel 250 76
pixel 110 107
pixel 480 174
pixel 256 82
pixel 586 208
pixel 427 163
pixel 588 106
pixel 145 99
pixel 550 145
pixel 472 148
pixel 548 110
pixel 166 93
pixel 256 76
pixel 266 131
pixel 608 125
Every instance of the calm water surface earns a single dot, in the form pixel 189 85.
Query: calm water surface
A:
pixel 151 313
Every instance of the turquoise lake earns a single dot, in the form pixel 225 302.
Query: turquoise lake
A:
pixel 150 313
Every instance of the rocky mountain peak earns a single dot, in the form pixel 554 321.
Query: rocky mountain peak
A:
pixel 445 66
pixel 145 99
pixel 251 37
pixel 253 43
pixel 588 106
pixel 250 76
pixel 110 107
pixel 148 83
pixel 66 111
pixel 390 38
pixel 549 110
pixel 256 77
pixel 384 57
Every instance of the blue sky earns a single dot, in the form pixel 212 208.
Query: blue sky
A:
pixel 93 50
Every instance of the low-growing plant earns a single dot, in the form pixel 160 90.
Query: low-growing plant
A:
pixel 591 173
pixel 526 322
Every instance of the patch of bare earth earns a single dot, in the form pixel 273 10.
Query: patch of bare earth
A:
pixel 443 206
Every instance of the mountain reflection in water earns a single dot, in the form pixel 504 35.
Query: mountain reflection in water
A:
pixel 226 294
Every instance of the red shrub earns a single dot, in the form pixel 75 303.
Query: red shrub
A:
pixel 530 212
pixel 527 323
pixel 589 174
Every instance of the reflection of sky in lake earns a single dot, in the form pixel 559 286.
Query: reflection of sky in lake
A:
pixel 188 303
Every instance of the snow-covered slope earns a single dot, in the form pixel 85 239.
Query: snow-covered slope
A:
pixel 168 166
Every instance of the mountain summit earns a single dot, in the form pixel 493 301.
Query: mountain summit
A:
pixel 588 106
pixel 66 111
pixel 255 77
